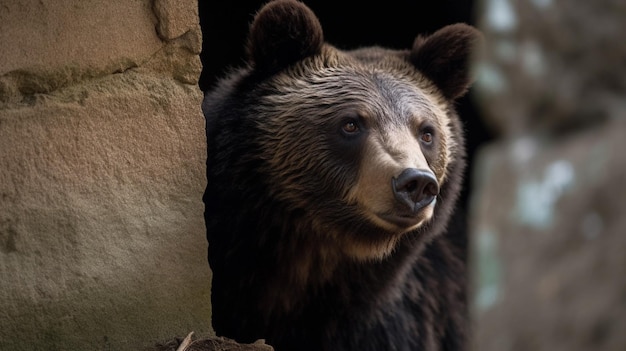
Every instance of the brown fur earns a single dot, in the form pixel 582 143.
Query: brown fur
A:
pixel 443 57
pixel 274 43
pixel 310 247
pixel 296 95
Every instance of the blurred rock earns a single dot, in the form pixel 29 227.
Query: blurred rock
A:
pixel 547 220
pixel 545 57
pixel 548 239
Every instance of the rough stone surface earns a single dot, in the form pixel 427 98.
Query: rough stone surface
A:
pixel 175 17
pixel 101 230
pixel 49 44
pixel 547 221
pixel 90 34
pixel 179 58
pixel 102 153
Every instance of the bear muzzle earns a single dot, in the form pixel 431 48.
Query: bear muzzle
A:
pixel 414 189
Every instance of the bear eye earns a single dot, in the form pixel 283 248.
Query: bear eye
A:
pixel 350 127
pixel 427 135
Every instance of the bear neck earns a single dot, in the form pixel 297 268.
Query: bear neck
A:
pixel 311 271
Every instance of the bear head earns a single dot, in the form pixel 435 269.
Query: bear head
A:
pixel 350 150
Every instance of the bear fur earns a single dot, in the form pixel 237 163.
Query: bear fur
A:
pixel 332 177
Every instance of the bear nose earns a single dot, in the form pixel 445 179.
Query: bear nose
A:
pixel 415 188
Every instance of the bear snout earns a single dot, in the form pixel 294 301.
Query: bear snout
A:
pixel 415 188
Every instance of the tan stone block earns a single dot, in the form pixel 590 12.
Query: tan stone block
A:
pixel 102 239
pixel 176 17
pixel 89 34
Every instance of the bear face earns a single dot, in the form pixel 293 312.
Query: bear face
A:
pixel 336 130
pixel 380 136
pixel 328 172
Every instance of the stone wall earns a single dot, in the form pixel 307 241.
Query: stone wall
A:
pixel 102 151
pixel 548 214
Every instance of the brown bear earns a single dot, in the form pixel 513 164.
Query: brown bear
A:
pixel 332 176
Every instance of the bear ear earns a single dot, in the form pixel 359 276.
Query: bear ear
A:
pixel 283 32
pixel 444 57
